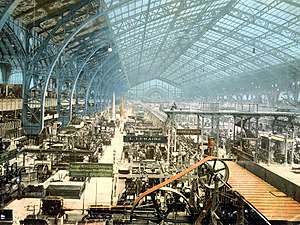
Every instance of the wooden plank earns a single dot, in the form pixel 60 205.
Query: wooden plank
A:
pixel 268 200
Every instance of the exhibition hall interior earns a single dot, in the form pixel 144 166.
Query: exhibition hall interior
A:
pixel 149 112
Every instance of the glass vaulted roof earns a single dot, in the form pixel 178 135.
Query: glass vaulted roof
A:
pixel 195 43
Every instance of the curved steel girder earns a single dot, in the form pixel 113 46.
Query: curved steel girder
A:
pixel 6 45
pixel 103 97
pixel 7 11
pixel 36 128
pixel 94 37
pixel 65 18
pixel 87 111
pixel 8 59
pixel 68 117
pixel 64 88
pixel 107 94
pixel 99 83
pixel 107 89
pixel 53 31
pixel 92 80
pixel 112 75
pixel 84 64
pixel 15 38
pixel 36 113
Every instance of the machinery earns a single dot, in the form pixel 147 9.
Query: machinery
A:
pixel 6 216
pixel 51 213
pixel 197 195
pixel 185 198
pixel 189 197
pixel 10 183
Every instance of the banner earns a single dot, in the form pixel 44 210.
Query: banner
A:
pixel 91 169
pixel 148 139
pixel 188 132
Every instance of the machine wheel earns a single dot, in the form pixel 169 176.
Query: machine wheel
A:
pixel 212 169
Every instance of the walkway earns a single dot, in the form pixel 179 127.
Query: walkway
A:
pixel 269 201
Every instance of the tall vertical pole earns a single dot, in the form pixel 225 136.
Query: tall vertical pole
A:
pixel 269 150
pixel 256 143
pixel 202 136
pixel 212 125
pixel 96 192
pixel 241 133
pixel 175 139
pixel 198 128
pixel 113 111
pixel 286 150
pixel 293 148
pixel 122 108
pixel 234 125
pixel 169 145
pixel 218 133
pixel 83 198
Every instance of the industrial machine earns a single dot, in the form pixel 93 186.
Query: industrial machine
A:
pixel 186 197
pixel 6 216
pixel 10 183
pixel 51 213
pixel 166 181
pixel 198 194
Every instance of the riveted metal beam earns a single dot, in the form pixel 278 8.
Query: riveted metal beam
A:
pixel 38 122
pixel 7 11
pixel 92 82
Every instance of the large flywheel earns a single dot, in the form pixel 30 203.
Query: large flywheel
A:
pixel 214 170
pixel 163 204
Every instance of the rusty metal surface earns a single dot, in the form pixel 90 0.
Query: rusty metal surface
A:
pixel 268 200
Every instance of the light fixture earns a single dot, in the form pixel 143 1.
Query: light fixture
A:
pixel 109 49
pixel 253 52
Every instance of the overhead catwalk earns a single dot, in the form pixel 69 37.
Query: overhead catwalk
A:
pixel 232 113
pixel 269 201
